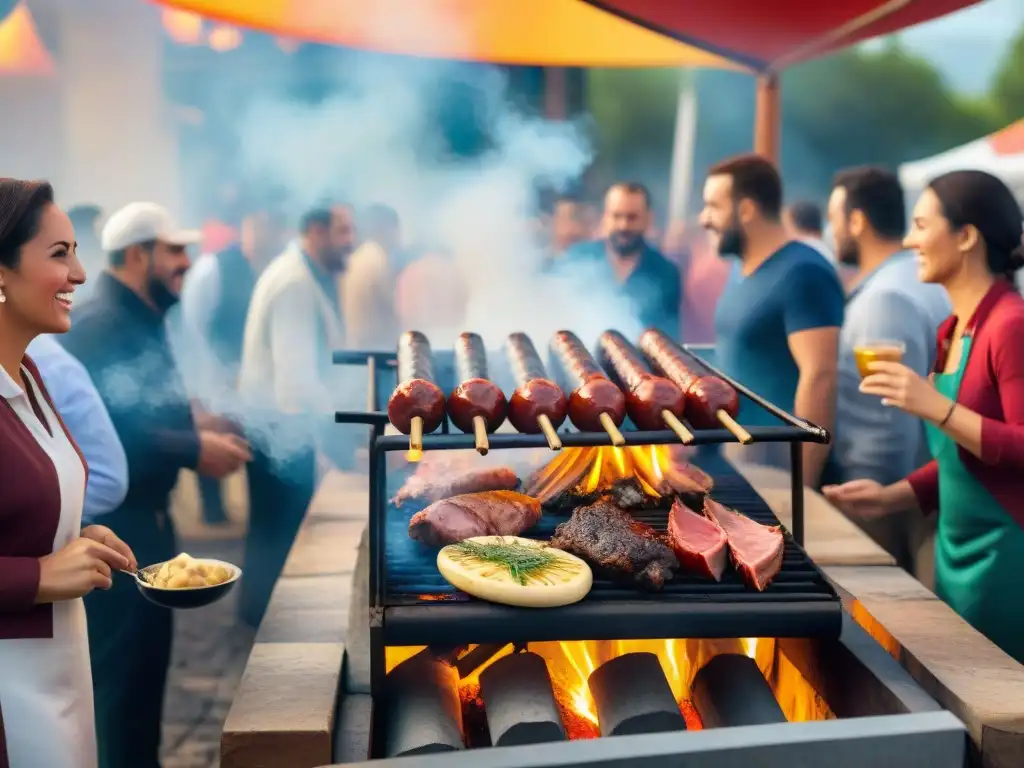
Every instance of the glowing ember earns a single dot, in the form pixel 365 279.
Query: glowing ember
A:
pixel 570 665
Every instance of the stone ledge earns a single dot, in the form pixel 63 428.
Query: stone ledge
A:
pixel 283 712
pixel 324 547
pixel 307 609
pixel 958 666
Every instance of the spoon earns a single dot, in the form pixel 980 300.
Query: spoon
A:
pixel 138 575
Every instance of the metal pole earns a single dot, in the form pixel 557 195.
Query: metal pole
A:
pixel 796 459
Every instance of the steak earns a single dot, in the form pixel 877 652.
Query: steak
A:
pixel 430 487
pixel 755 549
pixel 612 541
pixel 698 541
pixel 490 513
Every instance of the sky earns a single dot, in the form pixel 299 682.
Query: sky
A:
pixel 966 46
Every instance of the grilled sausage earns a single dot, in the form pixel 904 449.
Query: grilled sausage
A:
pixel 417 395
pixel 706 395
pixel 475 395
pixel 535 395
pixel 647 396
pixel 592 393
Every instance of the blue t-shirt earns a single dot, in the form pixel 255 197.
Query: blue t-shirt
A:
pixel 794 290
pixel 653 288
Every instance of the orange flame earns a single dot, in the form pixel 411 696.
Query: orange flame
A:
pixel 570 665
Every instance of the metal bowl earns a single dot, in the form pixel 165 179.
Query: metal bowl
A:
pixel 186 597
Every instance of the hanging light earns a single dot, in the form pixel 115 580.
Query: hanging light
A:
pixel 223 38
pixel 21 50
pixel 183 27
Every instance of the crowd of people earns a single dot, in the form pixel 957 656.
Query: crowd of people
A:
pixel 225 364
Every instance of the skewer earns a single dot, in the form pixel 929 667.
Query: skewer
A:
pixel 416 435
pixel 677 426
pixel 737 431
pixel 613 432
pixel 480 432
pixel 554 441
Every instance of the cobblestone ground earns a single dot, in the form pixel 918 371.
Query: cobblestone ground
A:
pixel 210 650
pixel 211 645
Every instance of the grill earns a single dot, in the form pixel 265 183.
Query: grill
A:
pixel 447 672
pixel 799 602
pixel 410 604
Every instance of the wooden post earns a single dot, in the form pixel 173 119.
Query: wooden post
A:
pixel 767 121
pixel 555 93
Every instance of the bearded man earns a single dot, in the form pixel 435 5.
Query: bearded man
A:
pixel 623 260
pixel 886 302
pixel 777 321
pixel 119 335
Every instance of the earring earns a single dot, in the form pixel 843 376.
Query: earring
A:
pixel 3 296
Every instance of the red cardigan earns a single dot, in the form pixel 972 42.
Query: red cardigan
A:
pixel 993 387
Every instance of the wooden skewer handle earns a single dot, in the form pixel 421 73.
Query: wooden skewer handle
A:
pixel 554 441
pixel 737 431
pixel 480 432
pixel 416 435
pixel 677 426
pixel 612 430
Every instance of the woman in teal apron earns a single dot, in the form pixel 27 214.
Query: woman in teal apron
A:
pixel 967 232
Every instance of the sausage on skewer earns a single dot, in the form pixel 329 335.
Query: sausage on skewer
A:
pixel 417 404
pixel 538 404
pixel 595 403
pixel 652 402
pixel 477 404
pixel 709 400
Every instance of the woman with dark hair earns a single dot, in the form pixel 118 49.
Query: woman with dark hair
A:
pixel 47 561
pixel 967 233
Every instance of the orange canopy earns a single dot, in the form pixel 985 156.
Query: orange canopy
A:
pixel 528 32
pixel 21 51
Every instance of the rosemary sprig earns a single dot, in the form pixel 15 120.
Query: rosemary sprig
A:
pixel 522 563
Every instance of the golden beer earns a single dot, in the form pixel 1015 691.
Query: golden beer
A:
pixel 880 351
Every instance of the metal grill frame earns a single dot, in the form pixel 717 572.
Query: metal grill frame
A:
pixel 381 370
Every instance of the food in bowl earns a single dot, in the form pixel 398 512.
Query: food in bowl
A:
pixel 185 572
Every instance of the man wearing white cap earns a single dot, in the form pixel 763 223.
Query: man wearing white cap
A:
pixel 119 336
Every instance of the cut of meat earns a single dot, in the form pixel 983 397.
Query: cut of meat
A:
pixel 681 477
pixel 698 541
pixel 756 550
pixel 434 486
pixel 612 540
pixel 491 513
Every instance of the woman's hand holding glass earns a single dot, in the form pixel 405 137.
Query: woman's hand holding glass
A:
pixel 903 388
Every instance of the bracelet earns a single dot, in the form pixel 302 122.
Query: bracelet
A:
pixel 945 419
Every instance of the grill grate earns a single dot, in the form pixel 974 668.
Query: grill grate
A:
pixel 413 578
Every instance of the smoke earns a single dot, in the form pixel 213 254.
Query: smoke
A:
pixel 380 141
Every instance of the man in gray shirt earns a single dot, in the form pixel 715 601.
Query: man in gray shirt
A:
pixel 886 301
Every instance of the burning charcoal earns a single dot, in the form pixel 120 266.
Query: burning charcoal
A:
pixel 520 702
pixel 628 494
pixel 424 713
pixel 633 696
pixel 730 690
pixel 476 658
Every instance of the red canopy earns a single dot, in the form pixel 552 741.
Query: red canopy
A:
pixel 773 34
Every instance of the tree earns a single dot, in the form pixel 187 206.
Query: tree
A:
pixel 859 106
pixel 884 106
pixel 1008 84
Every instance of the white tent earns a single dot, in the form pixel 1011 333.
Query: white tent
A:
pixel 1001 154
